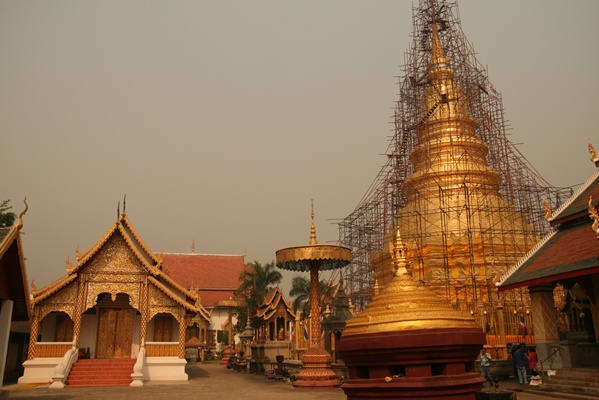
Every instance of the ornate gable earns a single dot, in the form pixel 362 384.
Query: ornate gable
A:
pixel 113 258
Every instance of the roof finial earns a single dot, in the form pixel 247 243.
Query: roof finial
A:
pixel 594 156
pixel 20 219
pixel 124 203
pixel 193 245
pixel 118 211
pixel 313 229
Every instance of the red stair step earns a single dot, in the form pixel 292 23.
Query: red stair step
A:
pixel 94 372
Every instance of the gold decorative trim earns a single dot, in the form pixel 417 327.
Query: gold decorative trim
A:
pixel 130 289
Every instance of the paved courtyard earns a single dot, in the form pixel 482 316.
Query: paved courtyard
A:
pixel 211 381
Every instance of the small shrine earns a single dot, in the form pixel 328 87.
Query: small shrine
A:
pixel 409 343
pixel 276 320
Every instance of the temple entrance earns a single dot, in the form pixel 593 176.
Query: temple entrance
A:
pixel 115 331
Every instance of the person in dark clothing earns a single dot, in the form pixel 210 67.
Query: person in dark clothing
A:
pixel 521 360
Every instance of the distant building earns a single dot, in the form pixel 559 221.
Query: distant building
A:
pixel 14 301
pixel 214 277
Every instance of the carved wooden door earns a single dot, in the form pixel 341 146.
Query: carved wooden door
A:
pixel 115 333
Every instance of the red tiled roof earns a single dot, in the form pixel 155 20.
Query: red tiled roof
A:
pixel 205 272
pixel 568 253
pixel 571 251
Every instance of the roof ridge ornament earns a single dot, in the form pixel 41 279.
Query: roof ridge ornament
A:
pixel 594 216
pixel 594 156
pixel 548 212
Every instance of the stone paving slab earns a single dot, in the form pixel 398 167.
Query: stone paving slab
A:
pixel 217 382
pixel 205 380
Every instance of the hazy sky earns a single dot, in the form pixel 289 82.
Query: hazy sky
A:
pixel 220 120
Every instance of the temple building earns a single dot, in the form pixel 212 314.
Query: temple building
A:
pixel 14 301
pixel 214 278
pixel 114 303
pixel 562 277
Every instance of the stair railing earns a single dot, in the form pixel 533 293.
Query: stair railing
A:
pixel 61 371
pixel 138 368
pixel 553 353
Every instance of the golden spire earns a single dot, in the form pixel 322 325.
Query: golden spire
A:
pixel 193 245
pixel 313 229
pixel 437 53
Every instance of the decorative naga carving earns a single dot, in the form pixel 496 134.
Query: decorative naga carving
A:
pixel 594 216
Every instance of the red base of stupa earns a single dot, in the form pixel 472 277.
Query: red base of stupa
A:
pixel 416 364
pixel 316 372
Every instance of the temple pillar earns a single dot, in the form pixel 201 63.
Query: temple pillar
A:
pixel 34 330
pixel 78 310
pixel 545 319
pixel 501 326
pixel 144 311
pixel 183 321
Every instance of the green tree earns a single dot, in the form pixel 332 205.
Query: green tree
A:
pixel 256 281
pixel 7 217
pixel 300 292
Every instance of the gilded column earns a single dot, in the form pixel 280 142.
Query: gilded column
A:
pixel 298 333
pixel 501 326
pixel 144 310
pixel 35 326
pixel 79 309
pixel 183 321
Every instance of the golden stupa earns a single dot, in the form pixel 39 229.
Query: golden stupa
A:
pixel 406 304
pixel 459 231
pixel 410 343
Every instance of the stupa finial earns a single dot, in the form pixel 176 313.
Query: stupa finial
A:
pixel 401 263
pixel 313 229
pixel 438 56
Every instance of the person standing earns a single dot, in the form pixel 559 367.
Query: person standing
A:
pixel 485 364
pixel 533 359
pixel 521 360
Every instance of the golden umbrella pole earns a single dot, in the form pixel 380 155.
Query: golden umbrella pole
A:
pixel 316 372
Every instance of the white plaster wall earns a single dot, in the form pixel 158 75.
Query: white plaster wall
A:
pixel 136 336
pixel 89 333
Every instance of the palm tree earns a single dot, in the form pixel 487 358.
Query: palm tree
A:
pixel 300 292
pixel 256 281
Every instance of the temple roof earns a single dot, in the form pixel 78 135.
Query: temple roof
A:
pixel 213 276
pixel 271 303
pixel 570 251
pixel 149 261
pixel 13 275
